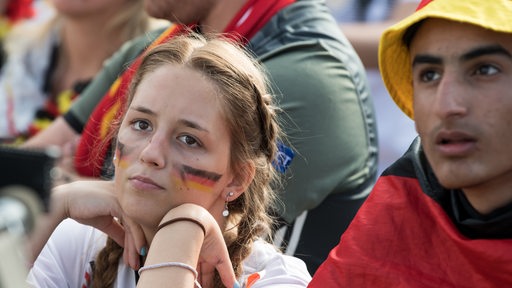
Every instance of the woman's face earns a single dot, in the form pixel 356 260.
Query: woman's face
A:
pixel 173 147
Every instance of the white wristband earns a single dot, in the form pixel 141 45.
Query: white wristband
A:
pixel 172 264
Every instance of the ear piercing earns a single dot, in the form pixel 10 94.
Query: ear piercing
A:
pixel 225 212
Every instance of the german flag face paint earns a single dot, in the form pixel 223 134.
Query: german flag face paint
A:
pixel 195 179
pixel 120 158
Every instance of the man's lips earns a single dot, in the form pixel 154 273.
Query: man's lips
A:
pixel 455 143
pixel 144 183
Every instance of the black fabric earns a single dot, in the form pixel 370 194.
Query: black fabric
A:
pixel 496 225
pixel 73 122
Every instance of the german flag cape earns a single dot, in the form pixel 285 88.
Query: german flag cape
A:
pixel 402 237
pixel 94 144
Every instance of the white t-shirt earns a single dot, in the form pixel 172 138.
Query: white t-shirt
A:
pixel 65 262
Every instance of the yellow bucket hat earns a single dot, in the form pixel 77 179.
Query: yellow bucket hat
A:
pixel 394 59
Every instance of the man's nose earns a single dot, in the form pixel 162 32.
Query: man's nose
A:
pixel 451 96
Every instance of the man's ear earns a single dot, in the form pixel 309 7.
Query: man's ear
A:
pixel 242 178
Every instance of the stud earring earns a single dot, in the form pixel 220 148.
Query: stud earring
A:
pixel 225 212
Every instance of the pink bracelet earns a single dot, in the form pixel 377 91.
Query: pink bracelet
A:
pixel 172 264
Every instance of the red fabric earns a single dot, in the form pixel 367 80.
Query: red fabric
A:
pixel 92 148
pixel 423 3
pixel 403 238
pixel 19 9
pixel 258 13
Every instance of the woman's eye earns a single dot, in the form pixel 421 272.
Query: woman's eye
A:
pixel 141 125
pixel 486 70
pixel 190 141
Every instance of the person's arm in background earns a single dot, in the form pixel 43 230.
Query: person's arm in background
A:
pixel 58 133
pixel 365 36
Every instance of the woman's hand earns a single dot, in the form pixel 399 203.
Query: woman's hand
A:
pixel 184 241
pixel 92 203
pixel 134 243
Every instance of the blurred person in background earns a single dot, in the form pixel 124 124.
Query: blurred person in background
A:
pixel 12 12
pixel 53 57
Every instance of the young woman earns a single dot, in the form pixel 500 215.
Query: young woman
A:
pixel 193 167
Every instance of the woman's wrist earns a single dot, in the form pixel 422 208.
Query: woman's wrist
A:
pixel 179 235
pixel 173 254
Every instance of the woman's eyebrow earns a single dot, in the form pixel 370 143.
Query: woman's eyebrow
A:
pixel 143 109
pixel 192 124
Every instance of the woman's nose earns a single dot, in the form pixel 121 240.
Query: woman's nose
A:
pixel 154 152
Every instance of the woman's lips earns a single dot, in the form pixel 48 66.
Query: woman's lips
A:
pixel 144 183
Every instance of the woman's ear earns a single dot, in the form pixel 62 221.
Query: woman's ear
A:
pixel 242 178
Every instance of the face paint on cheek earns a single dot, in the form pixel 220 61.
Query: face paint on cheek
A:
pixel 195 179
pixel 122 162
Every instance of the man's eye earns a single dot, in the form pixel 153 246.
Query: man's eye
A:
pixel 141 125
pixel 190 141
pixel 486 70
pixel 429 76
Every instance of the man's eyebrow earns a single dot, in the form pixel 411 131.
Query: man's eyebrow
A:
pixel 143 109
pixel 472 54
pixel 485 50
pixel 426 59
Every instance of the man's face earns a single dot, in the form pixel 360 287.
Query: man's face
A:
pixel 462 79
pixel 178 11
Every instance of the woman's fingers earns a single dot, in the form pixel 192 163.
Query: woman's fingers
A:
pixel 135 243
pixel 226 273
pixel 114 230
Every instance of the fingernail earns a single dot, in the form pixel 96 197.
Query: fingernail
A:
pixel 236 285
pixel 143 251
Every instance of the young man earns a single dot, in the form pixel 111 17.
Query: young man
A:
pixel 442 215
pixel 319 83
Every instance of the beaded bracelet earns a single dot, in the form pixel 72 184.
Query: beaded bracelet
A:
pixel 172 264
pixel 169 222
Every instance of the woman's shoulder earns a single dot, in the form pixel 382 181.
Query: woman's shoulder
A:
pixel 267 267
pixel 67 256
